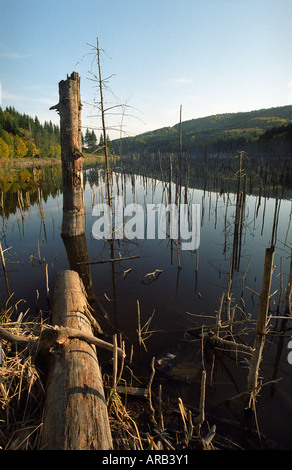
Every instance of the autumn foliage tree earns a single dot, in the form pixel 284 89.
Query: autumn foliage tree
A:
pixel 24 137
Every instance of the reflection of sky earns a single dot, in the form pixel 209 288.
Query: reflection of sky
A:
pixel 214 250
pixel 195 288
pixel 216 238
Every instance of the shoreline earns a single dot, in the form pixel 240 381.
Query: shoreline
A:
pixel 20 163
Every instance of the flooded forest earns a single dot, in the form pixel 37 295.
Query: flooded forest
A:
pixel 210 328
pixel 193 344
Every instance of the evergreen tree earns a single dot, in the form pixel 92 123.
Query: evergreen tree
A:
pixel 101 145
pixel 93 142
pixel 90 140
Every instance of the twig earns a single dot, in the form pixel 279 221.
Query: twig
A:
pixel 160 409
pixel 112 260
pixel 47 286
pixel 149 389
pixel 201 418
pixel 126 272
pixel 244 347
pixel 115 361
pixel 150 277
pixel 139 325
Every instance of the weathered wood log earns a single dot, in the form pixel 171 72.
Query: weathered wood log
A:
pixel 76 248
pixel 69 108
pixel 75 410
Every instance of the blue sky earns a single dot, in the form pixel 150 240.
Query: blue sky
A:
pixel 210 56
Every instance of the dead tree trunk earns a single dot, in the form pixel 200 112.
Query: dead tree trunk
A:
pixel 69 108
pixel 76 248
pixel 75 410
pixel 288 291
pixel 261 321
pixel 100 81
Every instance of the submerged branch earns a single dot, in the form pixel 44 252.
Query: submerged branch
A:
pixel 111 260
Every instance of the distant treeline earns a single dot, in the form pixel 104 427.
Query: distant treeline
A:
pixel 23 136
pixel 266 131
pixel 89 143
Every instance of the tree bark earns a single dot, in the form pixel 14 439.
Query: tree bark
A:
pixel 76 248
pixel 69 108
pixel 288 291
pixel 75 410
pixel 263 310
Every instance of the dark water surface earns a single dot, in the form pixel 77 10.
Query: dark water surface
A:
pixel 185 292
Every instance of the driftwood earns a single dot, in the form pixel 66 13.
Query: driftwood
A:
pixel 75 410
pixel 53 337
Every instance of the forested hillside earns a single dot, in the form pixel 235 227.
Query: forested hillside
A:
pixel 261 131
pixel 257 132
pixel 22 136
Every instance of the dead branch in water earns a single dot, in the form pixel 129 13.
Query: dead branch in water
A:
pixel 151 277
pixel 111 260
pixel 52 337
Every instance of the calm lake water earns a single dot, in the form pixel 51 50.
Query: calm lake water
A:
pixel 184 293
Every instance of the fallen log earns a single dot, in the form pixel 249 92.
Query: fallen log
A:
pixel 75 411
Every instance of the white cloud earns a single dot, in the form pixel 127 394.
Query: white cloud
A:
pixel 14 55
pixel 178 81
pixel 182 80
pixel 12 97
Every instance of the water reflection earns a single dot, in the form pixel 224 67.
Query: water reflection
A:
pixel 76 249
pixel 186 286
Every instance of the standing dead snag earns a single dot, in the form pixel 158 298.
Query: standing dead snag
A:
pixel 289 290
pixel 261 321
pixel 75 409
pixel 69 108
pixel 100 82
pixel 73 224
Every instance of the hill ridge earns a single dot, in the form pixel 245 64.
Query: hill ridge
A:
pixel 217 132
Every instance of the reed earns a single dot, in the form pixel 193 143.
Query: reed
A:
pixel 4 270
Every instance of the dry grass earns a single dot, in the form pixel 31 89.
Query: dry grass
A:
pixel 137 423
pixel 21 392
